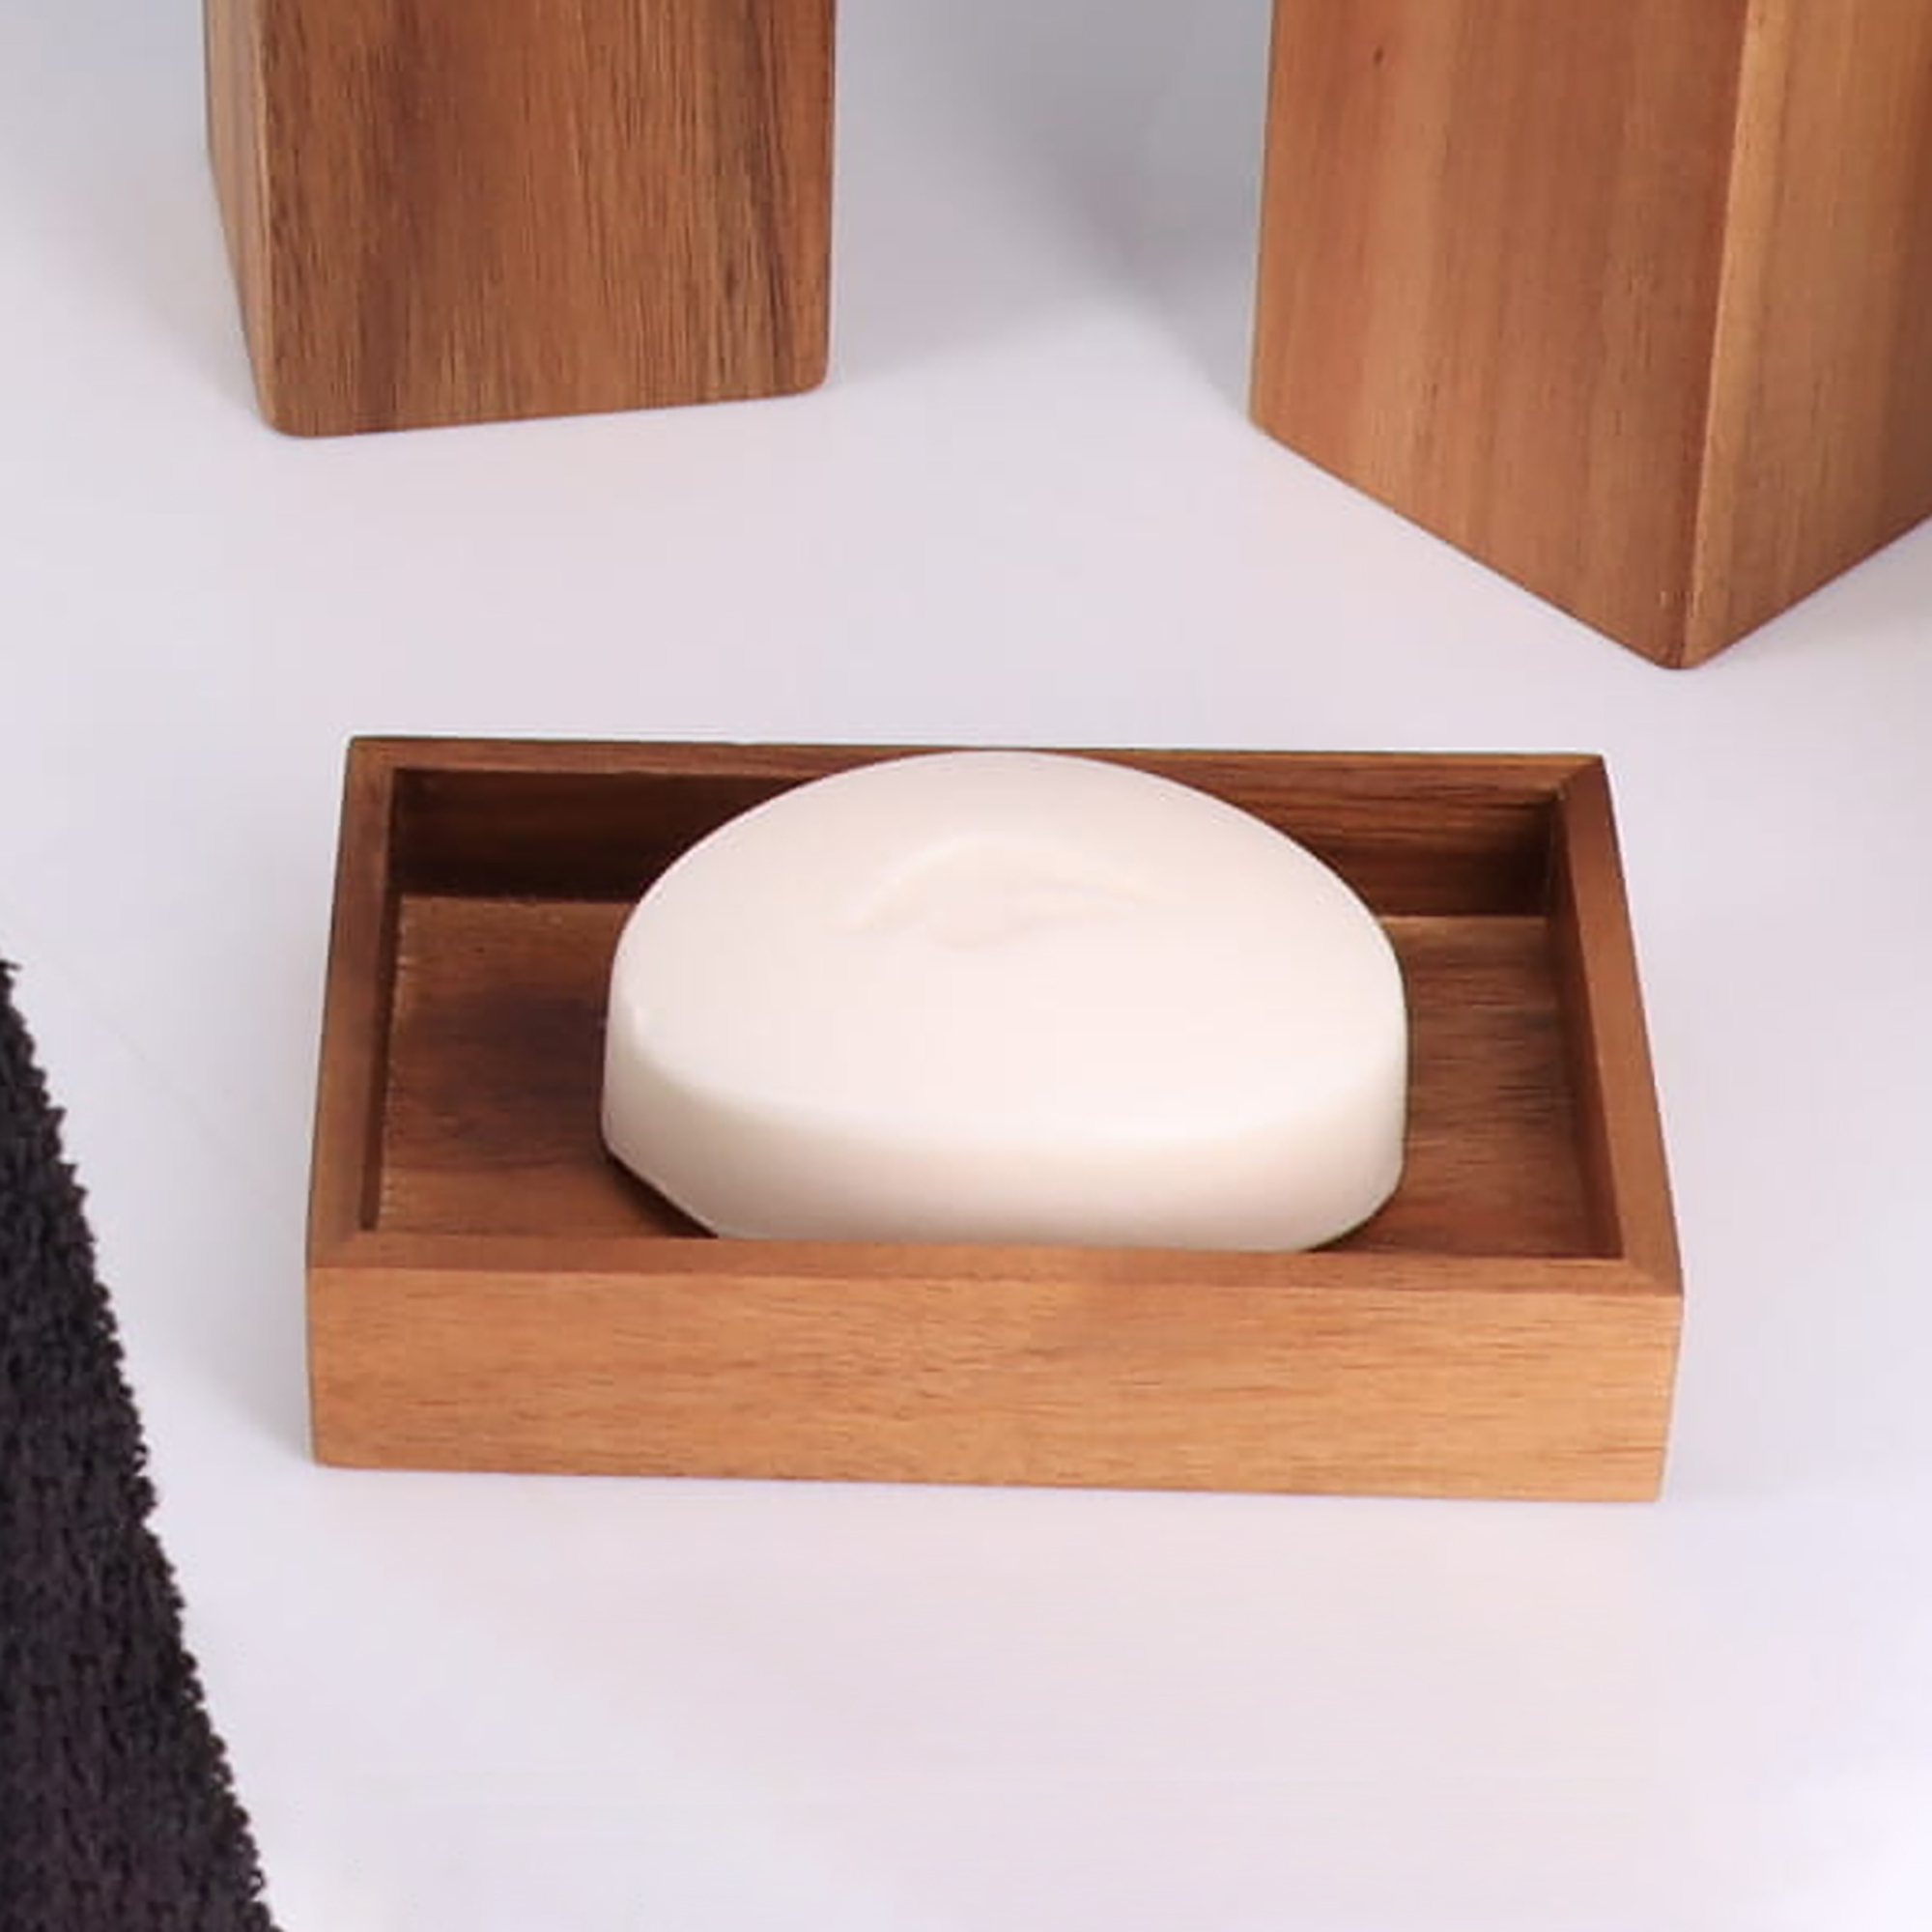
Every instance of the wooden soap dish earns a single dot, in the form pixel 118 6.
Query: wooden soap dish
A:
pixel 488 1291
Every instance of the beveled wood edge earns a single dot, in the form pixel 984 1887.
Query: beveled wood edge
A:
pixel 355 1005
pixel 645 1259
pixel 1524 775
pixel 1635 1487
pixel 1606 969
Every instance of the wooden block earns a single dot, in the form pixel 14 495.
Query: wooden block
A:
pixel 488 1290
pixel 1624 298
pixel 439 212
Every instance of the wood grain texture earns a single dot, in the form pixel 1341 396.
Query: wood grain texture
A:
pixel 1820 442
pixel 439 213
pixel 1615 295
pixel 1041 1375
pixel 488 1290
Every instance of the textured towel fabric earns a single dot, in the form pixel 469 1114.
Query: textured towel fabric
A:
pixel 116 1809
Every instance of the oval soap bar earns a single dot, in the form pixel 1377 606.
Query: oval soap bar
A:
pixel 1007 995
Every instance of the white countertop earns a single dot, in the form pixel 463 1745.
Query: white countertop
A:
pixel 1027 508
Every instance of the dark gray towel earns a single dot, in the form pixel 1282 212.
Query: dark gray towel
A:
pixel 116 1809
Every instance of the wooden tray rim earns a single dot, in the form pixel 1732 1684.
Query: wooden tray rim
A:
pixel 1644 1257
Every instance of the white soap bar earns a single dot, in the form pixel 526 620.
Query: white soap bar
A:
pixel 1007 995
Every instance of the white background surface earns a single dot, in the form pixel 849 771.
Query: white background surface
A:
pixel 1027 508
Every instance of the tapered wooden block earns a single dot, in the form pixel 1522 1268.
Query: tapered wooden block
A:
pixel 1627 298
pixel 445 212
